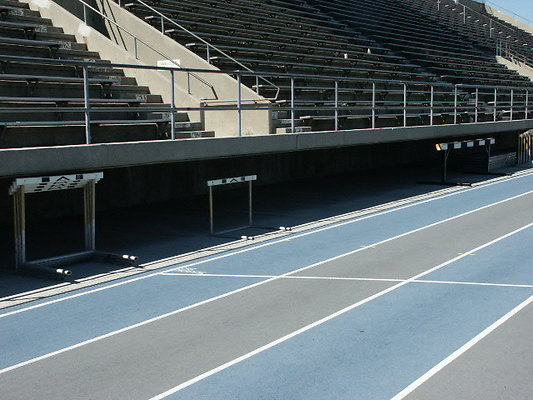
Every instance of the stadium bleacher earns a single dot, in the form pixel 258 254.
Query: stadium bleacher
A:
pixel 450 49
pixel 370 47
pixel 331 65
pixel 297 38
pixel 42 89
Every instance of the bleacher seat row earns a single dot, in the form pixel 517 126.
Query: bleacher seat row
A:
pixel 388 63
pixel 368 40
pixel 41 101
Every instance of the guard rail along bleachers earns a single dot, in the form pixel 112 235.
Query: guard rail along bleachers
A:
pixel 54 91
pixel 311 65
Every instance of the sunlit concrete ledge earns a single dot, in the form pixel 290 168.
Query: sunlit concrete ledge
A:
pixel 46 160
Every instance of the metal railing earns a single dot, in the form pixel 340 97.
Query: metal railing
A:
pixel 506 52
pixel 209 47
pixel 422 103
pixel 493 22
pixel 137 41
pixel 497 6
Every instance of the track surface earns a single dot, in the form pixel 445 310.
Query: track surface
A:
pixel 424 301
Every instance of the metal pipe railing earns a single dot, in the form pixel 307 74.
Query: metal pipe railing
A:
pixel 510 101
pixel 493 21
pixel 209 46
pixel 136 42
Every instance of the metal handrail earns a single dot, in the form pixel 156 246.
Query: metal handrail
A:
pixel 527 20
pixel 493 20
pixel 502 101
pixel 137 40
pixel 512 55
pixel 208 45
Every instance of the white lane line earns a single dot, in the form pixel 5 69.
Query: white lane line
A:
pixel 194 264
pixel 270 243
pixel 325 319
pixel 460 351
pixel 146 322
pixel 356 279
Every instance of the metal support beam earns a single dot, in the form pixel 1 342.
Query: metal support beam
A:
pixel 495 104
pixel 292 105
pixel 173 106
pixel 336 105
pixel 239 103
pixel 20 227
pixel 87 103
pixel 404 104
pixel 90 215
pixel 477 105
pixel 455 106
pixel 431 103
pixel 373 105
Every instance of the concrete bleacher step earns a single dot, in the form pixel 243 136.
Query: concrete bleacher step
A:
pixel 194 134
pixel 189 126
pixel 297 129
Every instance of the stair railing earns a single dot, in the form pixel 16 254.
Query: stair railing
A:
pixel 137 41
pixel 492 23
pixel 209 47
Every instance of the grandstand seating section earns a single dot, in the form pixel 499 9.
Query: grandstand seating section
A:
pixel 34 84
pixel 364 40
pixel 362 46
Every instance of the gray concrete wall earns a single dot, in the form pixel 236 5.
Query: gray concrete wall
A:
pixel 516 65
pixel 48 160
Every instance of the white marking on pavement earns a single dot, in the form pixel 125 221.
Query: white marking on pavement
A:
pixel 325 319
pixel 343 278
pixel 313 231
pixel 460 351
pixel 146 322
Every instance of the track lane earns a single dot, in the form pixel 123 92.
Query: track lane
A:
pixel 155 379
pixel 137 302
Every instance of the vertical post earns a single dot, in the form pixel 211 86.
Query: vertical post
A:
pixel 477 102
pixel 336 105
pixel 495 104
pixel 85 14
pixel 211 225
pixel 250 203
pixel 373 105
pixel 20 226
pixel 455 106
pixel 431 102
pixel 188 82
pixel 519 150
pixel 490 27
pixel 239 103
pixel 444 165
pixel 135 48
pixel 90 216
pixel 173 106
pixel 405 103
pixel 208 54
pixel 87 110
pixel 162 25
pixel 512 104
pixel 526 111
pixel 257 84
pixel 464 14
pixel 292 105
